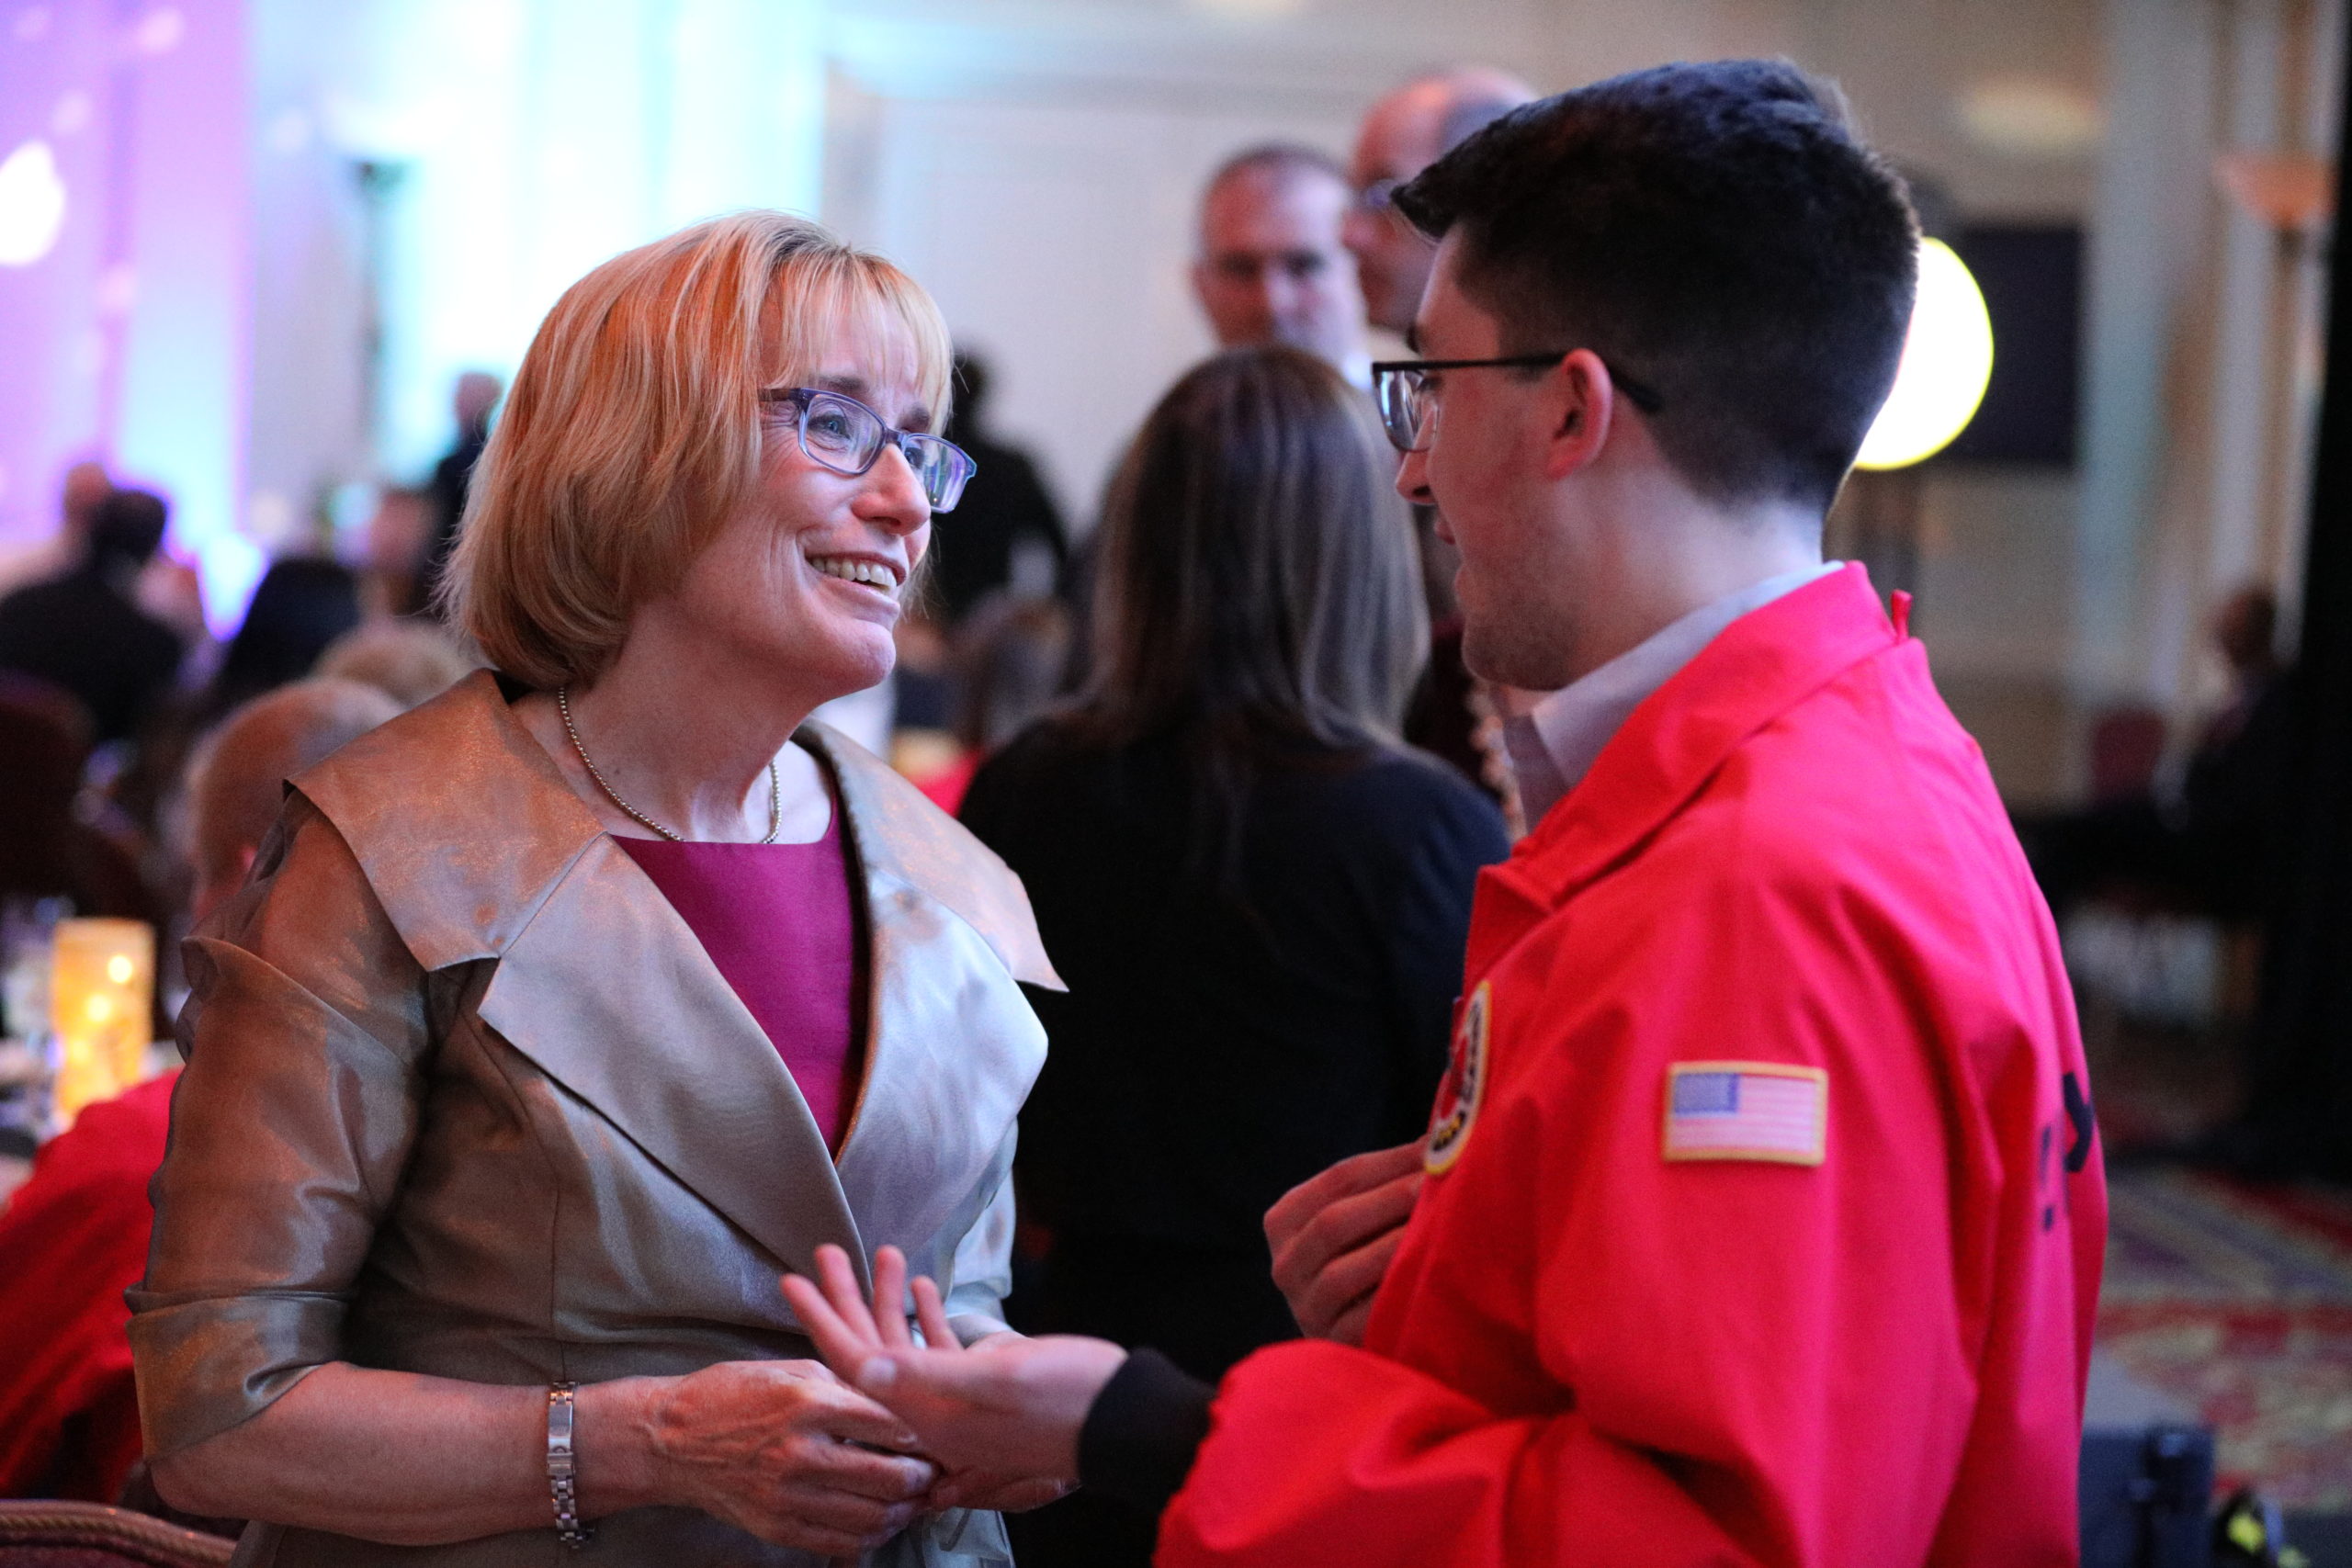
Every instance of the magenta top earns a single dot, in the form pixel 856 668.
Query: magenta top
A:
pixel 776 920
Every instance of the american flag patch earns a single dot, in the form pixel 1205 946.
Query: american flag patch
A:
pixel 1763 1111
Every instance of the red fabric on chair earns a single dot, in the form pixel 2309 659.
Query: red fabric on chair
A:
pixel 72 1240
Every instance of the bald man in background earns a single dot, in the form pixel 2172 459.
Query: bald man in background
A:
pixel 1271 266
pixel 1404 134
pixel 1453 714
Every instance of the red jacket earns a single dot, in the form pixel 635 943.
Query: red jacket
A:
pixel 72 1240
pixel 1764 1220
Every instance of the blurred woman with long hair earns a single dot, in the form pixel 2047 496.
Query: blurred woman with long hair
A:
pixel 1258 895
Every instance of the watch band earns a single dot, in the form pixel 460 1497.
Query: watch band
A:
pixel 563 1469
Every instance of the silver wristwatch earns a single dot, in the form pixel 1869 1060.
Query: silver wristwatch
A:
pixel 563 1469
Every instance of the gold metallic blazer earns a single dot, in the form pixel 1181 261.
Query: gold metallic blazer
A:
pixel 466 1097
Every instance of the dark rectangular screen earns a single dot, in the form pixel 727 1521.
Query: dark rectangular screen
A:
pixel 2032 279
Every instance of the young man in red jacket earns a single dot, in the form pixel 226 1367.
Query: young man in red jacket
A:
pixel 1761 1219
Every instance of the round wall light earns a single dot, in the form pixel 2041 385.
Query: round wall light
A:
pixel 32 204
pixel 1947 360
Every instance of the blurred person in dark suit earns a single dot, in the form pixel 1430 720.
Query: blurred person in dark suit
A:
pixel 2232 782
pixel 83 630
pixel 1007 526
pixel 1257 894
pixel 472 401
pixel 75 1237
pixel 1453 714
pixel 2210 841
pixel 1271 268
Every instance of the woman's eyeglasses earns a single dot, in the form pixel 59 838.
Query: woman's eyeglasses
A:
pixel 841 434
pixel 1409 405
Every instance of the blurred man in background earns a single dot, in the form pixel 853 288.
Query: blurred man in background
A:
pixel 83 630
pixel 1454 714
pixel 85 484
pixel 1403 134
pixel 2210 842
pixel 1271 268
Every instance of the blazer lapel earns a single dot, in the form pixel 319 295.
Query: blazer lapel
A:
pixel 608 991
pixel 951 1054
pixel 951 1048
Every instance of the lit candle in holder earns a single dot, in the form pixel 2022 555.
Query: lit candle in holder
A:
pixel 101 1002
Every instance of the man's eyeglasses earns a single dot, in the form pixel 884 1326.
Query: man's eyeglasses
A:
pixel 1409 409
pixel 841 434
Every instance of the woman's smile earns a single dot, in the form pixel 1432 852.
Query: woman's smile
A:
pixel 876 575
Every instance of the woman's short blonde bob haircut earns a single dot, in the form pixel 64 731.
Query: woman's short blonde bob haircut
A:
pixel 633 430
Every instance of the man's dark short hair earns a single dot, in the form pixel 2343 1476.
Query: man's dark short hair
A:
pixel 1718 233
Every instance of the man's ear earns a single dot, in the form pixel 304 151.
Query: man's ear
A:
pixel 1583 405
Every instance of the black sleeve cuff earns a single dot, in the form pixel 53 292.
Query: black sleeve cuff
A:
pixel 1142 1431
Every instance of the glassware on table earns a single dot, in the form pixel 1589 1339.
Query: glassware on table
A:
pixel 27 1065
pixel 101 1008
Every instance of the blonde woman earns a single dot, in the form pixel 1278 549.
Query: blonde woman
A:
pixel 566 1013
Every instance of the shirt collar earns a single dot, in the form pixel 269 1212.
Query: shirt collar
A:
pixel 1554 745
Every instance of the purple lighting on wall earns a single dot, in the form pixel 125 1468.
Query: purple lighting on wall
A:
pixel 129 337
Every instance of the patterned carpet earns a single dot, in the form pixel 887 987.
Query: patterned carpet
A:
pixel 2236 1298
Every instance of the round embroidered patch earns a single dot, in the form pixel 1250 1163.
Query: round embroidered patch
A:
pixel 1465 1084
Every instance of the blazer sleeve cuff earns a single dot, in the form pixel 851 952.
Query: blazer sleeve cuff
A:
pixel 207 1364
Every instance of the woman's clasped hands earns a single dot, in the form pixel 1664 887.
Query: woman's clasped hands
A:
pixel 784 1450
pixel 1002 1413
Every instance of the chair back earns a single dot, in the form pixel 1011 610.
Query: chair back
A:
pixel 2127 745
pixel 48 1533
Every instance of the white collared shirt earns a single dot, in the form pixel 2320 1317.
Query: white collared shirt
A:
pixel 1554 744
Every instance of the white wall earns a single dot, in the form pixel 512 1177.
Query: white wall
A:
pixel 129 338
pixel 530 140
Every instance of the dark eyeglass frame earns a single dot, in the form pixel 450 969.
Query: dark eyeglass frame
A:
pixel 916 446
pixel 1396 406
